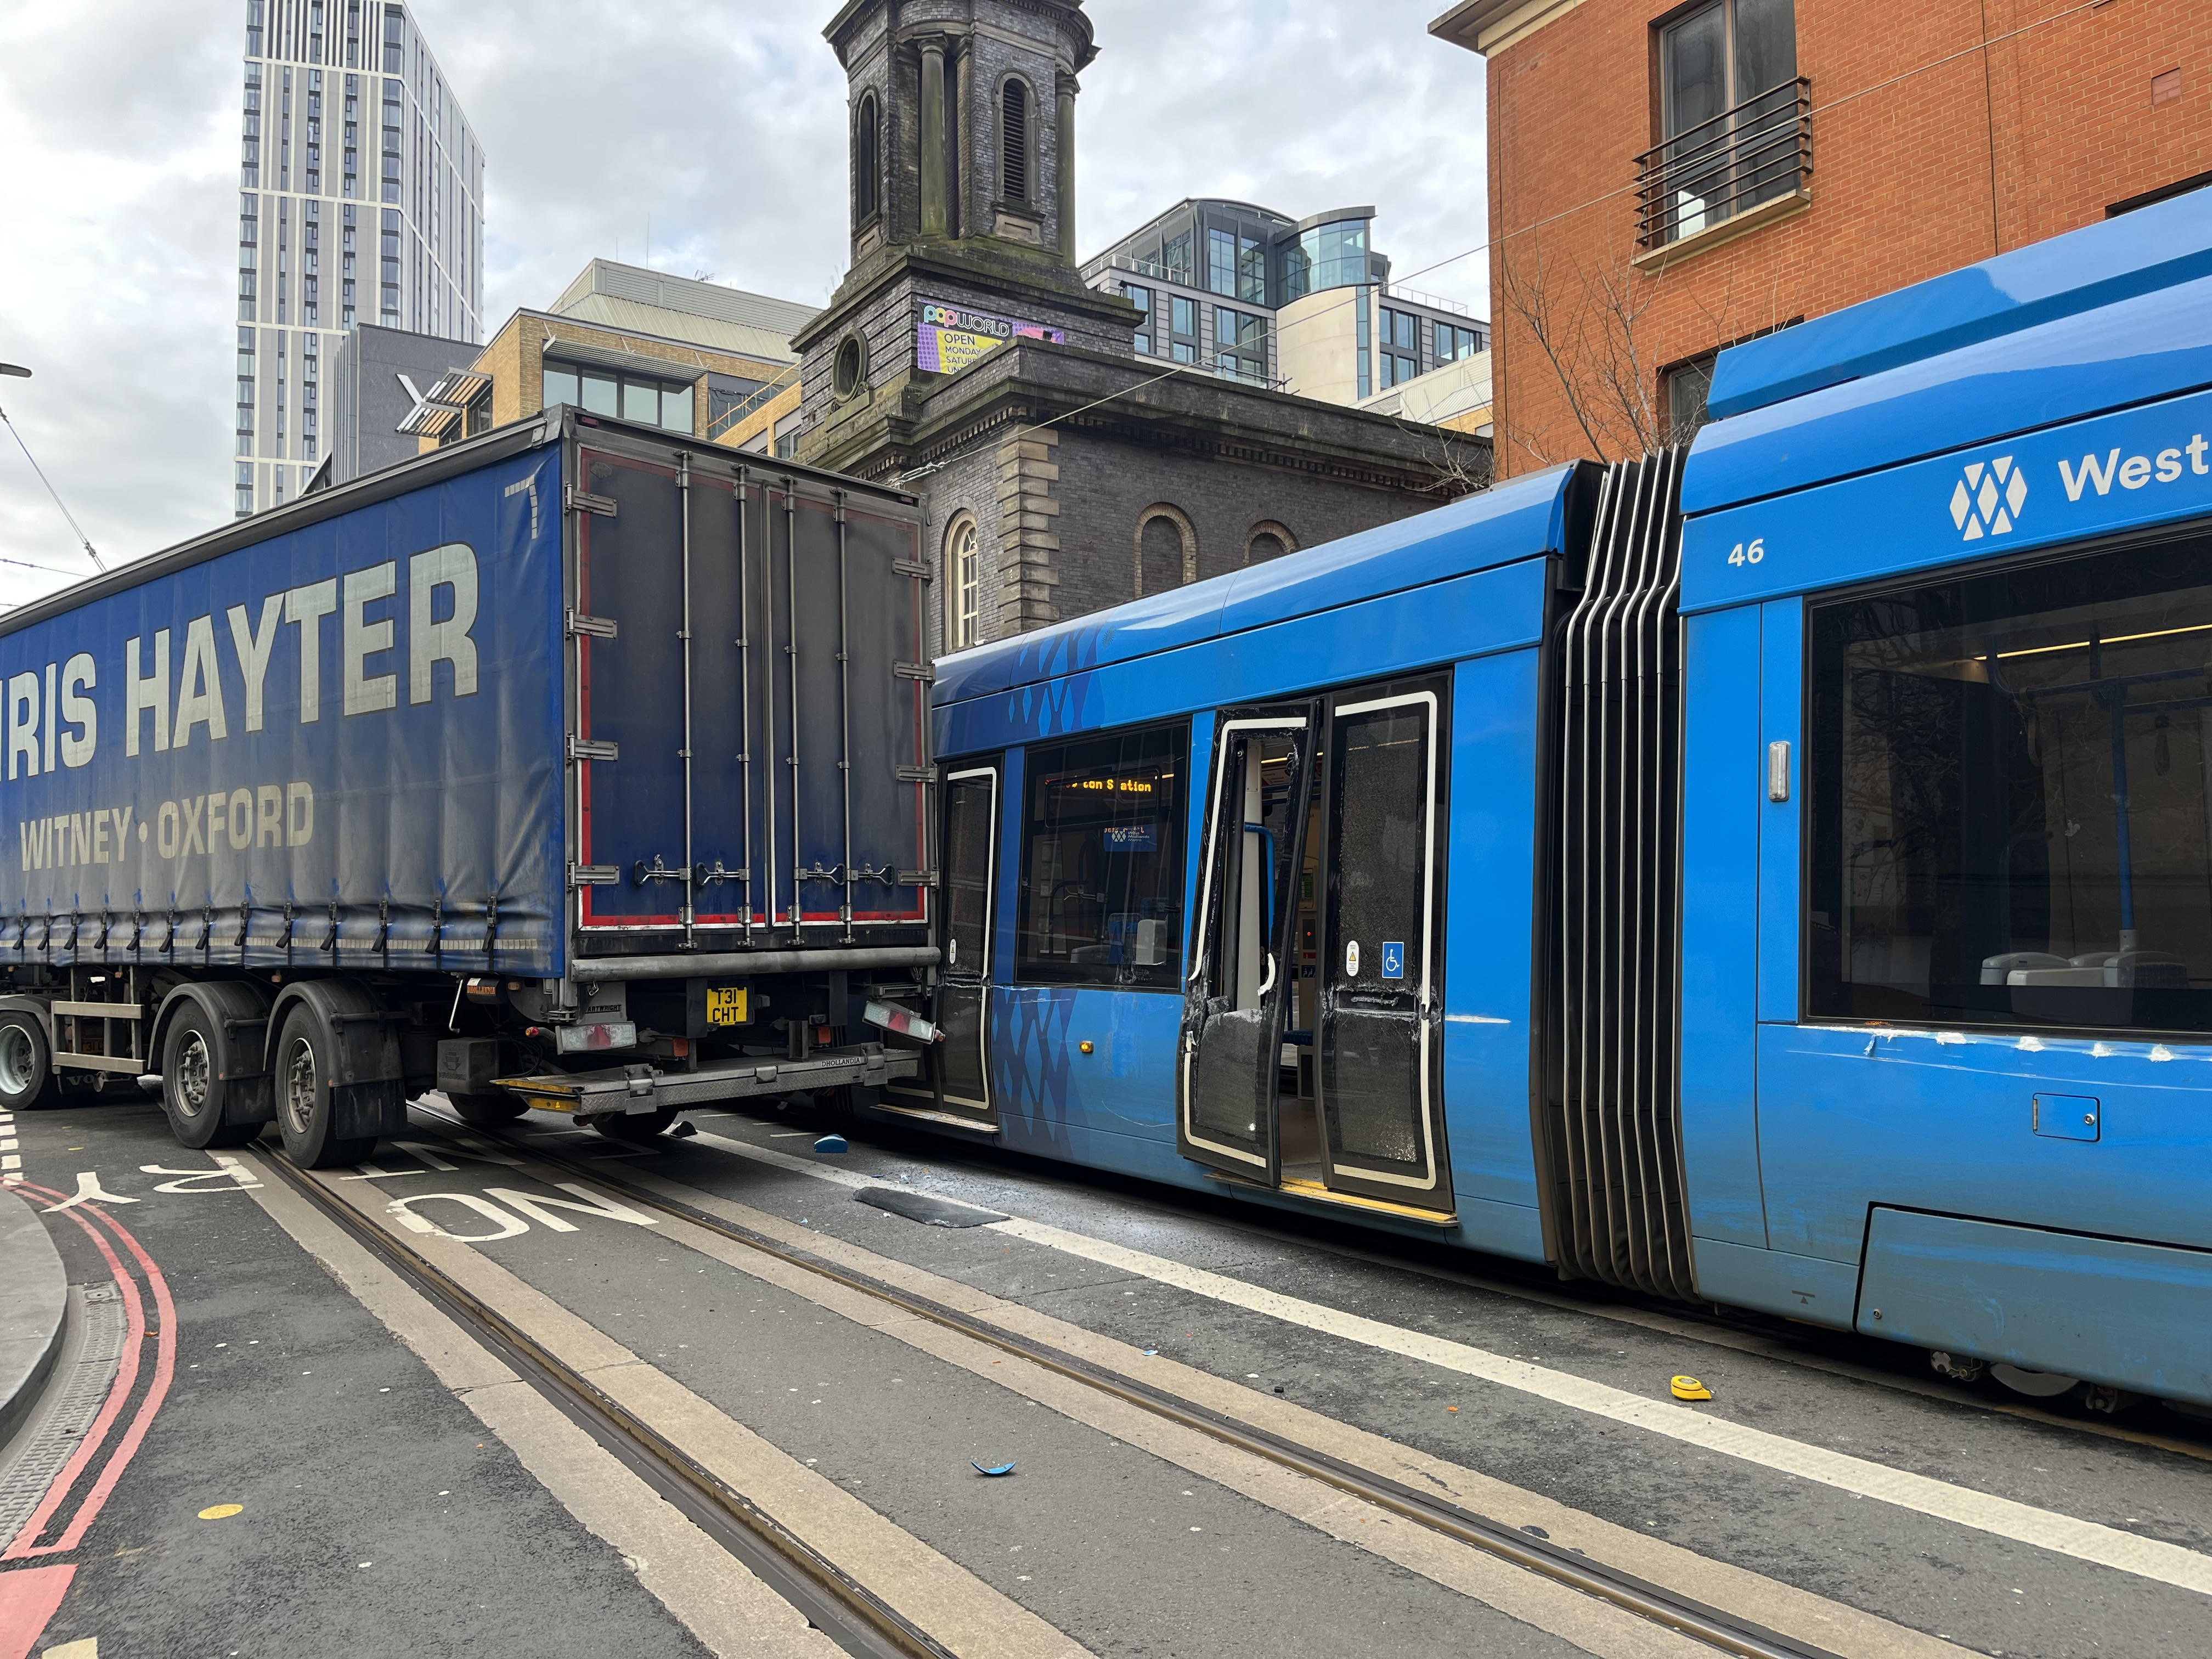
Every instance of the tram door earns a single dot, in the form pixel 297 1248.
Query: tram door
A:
pixel 956 1077
pixel 1378 1041
pixel 1244 966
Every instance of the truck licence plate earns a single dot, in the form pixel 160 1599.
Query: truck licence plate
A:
pixel 726 1005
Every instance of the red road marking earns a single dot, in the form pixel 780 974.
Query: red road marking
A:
pixel 29 1598
pixel 126 1378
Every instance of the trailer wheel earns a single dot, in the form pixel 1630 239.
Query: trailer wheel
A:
pixel 303 1098
pixel 637 1127
pixel 194 1091
pixel 26 1067
pixel 487 1111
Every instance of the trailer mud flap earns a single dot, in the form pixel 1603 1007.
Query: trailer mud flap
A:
pixel 361 1111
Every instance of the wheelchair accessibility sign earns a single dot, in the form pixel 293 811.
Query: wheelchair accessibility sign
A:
pixel 1393 958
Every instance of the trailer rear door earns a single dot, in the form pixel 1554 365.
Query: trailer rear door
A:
pixel 750 702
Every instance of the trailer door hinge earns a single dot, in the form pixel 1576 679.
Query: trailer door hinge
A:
pixel 600 627
pixel 592 749
pixel 594 875
pixel 582 501
pixel 911 567
pixel 915 670
pixel 918 877
pixel 917 775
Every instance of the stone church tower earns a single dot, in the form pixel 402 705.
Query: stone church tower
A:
pixel 964 356
pixel 962 131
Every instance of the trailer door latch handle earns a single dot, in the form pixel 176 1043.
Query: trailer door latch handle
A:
pixel 601 627
pixel 1778 770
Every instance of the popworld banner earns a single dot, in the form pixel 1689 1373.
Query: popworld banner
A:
pixel 949 338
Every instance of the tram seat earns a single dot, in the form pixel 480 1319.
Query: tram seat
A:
pixel 2149 969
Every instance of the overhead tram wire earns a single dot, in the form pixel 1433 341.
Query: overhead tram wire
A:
pixel 85 540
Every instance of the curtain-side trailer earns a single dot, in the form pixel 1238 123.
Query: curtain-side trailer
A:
pixel 578 765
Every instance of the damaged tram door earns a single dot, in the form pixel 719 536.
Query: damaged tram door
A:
pixel 1319 908
pixel 955 1077
pixel 1244 963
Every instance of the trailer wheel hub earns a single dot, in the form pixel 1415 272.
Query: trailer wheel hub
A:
pixel 17 1060
pixel 300 1086
pixel 191 1074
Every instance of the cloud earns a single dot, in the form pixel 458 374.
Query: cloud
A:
pixel 717 129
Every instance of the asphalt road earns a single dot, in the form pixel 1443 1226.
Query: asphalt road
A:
pixel 379 1515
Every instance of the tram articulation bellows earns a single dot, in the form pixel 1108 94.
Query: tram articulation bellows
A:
pixel 1612 1145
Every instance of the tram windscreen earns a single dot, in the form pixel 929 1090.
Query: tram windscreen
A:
pixel 2010 797
pixel 1103 861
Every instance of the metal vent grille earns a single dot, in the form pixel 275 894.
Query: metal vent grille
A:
pixel 1611 1106
pixel 1014 136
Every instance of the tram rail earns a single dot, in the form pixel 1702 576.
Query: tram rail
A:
pixel 1717 1628
pixel 845 1610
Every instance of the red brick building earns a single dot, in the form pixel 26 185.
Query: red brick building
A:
pixel 1668 178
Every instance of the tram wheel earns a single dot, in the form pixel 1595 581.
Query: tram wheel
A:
pixel 2036 1385
pixel 486 1111
pixel 639 1128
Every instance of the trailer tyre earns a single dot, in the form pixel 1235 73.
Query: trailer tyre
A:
pixel 27 1063
pixel 487 1111
pixel 194 1091
pixel 304 1106
pixel 637 1127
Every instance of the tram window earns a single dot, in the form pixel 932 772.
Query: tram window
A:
pixel 2010 797
pixel 1103 861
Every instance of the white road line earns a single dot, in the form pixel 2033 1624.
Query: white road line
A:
pixel 717 1598
pixel 2108 1546
pixel 2087 1540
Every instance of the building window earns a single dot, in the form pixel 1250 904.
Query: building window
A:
pixel 1182 314
pixel 1221 262
pixel 863 162
pixel 1102 861
pixel 1252 270
pixel 2005 789
pixel 1174 258
pixel 1454 343
pixel 668 405
pixel 1732 113
pixel 1684 389
pixel 1363 331
pixel 1184 351
pixel 1402 346
pixel 1142 299
pixel 1014 141
pixel 1329 256
pixel 963 567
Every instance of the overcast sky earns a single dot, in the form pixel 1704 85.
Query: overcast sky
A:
pixel 721 123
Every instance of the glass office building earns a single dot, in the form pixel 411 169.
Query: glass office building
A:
pixel 360 200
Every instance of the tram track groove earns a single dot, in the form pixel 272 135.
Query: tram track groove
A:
pixel 1713 1628
pixel 855 1617
pixel 1716 1328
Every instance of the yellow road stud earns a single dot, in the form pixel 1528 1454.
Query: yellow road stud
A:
pixel 1688 1388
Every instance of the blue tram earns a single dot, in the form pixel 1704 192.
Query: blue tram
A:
pixel 1778 876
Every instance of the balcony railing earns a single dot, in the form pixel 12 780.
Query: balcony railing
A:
pixel 1758 152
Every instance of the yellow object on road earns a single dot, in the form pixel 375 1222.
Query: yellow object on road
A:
pixel 1688 1388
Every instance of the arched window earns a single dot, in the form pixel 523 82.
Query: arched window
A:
pixel 963 583
pixel 1167 549
pixel 1268 540
pixel 863 162
pixel 1014 142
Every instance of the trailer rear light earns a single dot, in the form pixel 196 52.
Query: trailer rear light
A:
pixel 579 1039
pixel 889 1016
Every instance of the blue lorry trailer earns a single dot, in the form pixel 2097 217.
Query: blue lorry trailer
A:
pixel 1778 876
pixel 573 765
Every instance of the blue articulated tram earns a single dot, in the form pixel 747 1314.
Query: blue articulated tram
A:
pixel 1778 876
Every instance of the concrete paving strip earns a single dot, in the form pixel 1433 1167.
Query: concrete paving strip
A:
pixel 1519 1594
pixel 2004 1517
pixel 727 1608
pixel 934 1592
